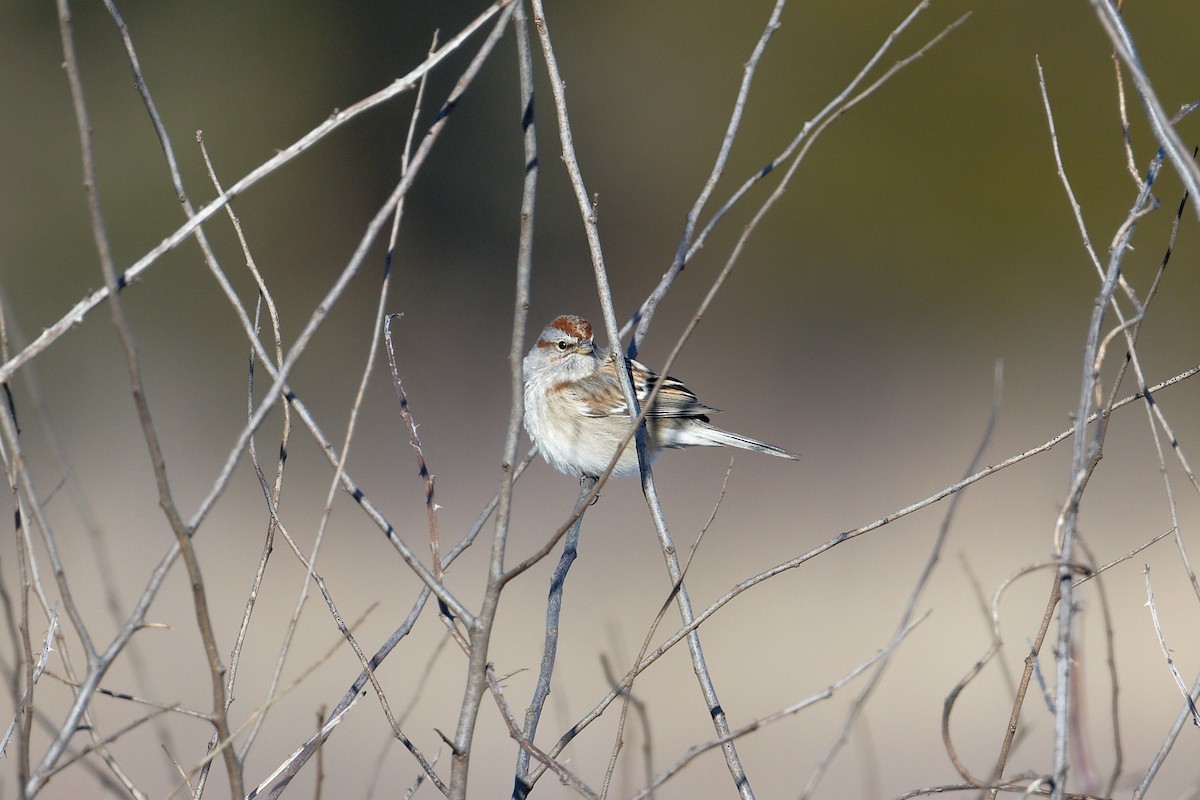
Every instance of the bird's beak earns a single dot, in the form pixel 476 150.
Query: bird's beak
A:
pixel 585 347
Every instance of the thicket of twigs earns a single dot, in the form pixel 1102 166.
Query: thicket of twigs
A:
pixel 92 710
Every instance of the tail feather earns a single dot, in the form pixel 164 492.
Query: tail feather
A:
pixel 708 436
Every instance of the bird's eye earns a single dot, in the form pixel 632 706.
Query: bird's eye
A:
pixel 562 345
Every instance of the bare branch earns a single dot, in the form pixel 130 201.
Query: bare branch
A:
pixel 301 145
pixel 1166 651
pixel 1164 131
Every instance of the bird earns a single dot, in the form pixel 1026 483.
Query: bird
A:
pixel 576 414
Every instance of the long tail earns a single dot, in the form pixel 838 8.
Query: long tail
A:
pixel 715 437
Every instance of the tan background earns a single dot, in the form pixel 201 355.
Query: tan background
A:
pixel 926 237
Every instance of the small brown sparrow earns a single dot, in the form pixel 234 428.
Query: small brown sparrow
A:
pixel 576 414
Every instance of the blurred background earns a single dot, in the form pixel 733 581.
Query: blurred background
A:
pixel 925 238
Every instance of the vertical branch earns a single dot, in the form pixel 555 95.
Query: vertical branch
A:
pixel 414 440
pixel 24 667
pixel 25 708
pixel 1189 172
pixel 1118 757
pixel 271 493
pixel 182 531
pixel 18 624
pixel 521 783
pixel 588 213
pixel 524 271
pixel 1085 455
pixel 480 626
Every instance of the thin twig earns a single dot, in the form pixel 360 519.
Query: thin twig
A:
pixel 174 708
pixel 1110 641
pixel 431 506
pixel 791 710
pixel 1166 651
pixel 24 738
pixel 272 493
pixel 626 687
pixel 1126 139
pixel 906 616
pixel 1123 558
pixel 642 709
pixel 24 710
pixel 646 313
pixel 1010 682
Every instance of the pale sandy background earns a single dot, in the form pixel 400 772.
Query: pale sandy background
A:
pixel 926 237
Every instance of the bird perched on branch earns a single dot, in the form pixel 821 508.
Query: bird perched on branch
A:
pixel 576 414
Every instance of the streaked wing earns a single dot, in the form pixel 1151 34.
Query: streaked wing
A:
pixel 673 399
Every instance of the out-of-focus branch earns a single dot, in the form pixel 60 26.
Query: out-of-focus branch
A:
pixel 1179 155
pixel 906 616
